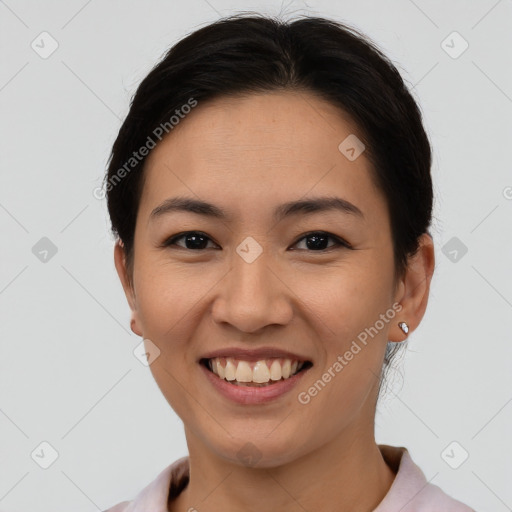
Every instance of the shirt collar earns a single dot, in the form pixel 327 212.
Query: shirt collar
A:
pixel 409 482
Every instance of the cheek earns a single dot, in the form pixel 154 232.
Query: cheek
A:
pixel 170 304
pixel 165 308
pixel 168 314
pixel 344 300
pixel 168 296
pixel 347 306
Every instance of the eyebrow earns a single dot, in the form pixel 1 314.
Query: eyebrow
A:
pixel 302 206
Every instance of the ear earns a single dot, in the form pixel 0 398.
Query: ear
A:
pixel 413 290
pixel 126 281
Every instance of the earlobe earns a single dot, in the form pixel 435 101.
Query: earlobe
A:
pixel 414 290
pixel 134 327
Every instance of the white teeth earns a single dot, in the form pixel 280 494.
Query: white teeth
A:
pixel 259 372
pixel 243 372
pixel 275 370
pixel 286 368
pixel 230 369
pixel 220 369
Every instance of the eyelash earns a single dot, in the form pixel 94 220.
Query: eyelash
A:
pixel 340 243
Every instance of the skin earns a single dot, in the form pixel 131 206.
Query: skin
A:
pixel 248 155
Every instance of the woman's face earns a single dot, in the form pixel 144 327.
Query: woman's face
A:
pixel 256 281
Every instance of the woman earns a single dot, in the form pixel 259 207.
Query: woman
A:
pixel 271 195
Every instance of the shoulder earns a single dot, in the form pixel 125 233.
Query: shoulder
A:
pixel 156 495
pixel 410 491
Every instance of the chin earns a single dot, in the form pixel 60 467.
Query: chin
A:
pixel 260 452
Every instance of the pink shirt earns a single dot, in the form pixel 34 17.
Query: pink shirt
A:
pixel 410 491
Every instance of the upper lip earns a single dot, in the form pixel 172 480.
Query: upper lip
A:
pixel 254 354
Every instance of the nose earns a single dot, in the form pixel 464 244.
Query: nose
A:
pixel 252 296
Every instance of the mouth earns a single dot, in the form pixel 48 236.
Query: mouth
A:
pixel 260 373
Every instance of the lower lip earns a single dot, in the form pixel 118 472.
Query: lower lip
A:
pixel 252 395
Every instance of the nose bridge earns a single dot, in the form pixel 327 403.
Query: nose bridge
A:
pixel 251 295
pixel 253 277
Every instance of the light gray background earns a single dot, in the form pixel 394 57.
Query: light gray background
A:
pixel 67 372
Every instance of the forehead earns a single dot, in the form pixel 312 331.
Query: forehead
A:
pixel 259 149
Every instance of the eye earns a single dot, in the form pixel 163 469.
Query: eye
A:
pixel 197 240
pixel 194 240
pixel 318 240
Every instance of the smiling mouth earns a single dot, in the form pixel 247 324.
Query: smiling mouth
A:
pixel 264 372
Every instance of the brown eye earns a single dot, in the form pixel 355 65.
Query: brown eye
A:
pixel 193 240
pixel 317 241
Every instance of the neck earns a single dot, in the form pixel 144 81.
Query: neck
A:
pixel 346 474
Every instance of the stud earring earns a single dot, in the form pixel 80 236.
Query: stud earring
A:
pixel 404 327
